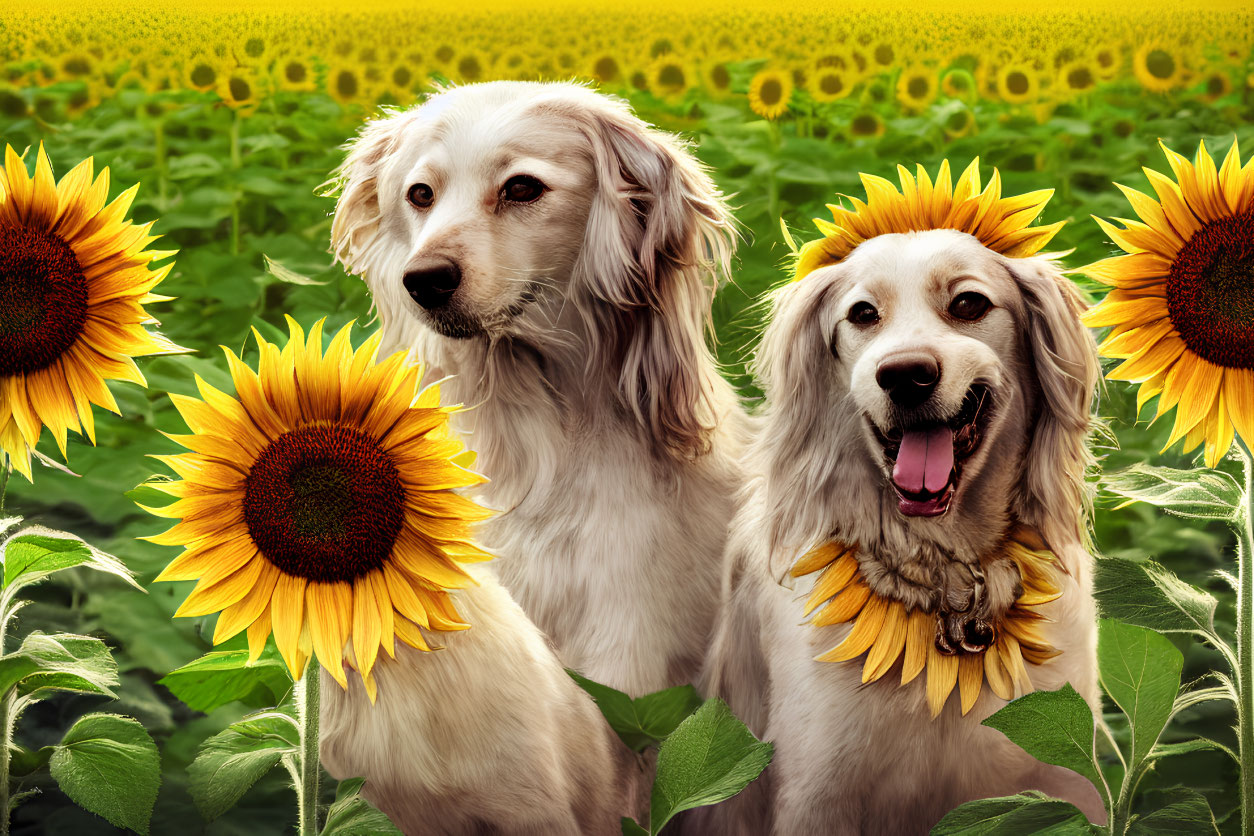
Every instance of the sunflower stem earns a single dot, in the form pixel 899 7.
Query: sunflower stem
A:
pixel 1245 641
pixel 4 479
pixel 7 718
pixel 772 186
pixel 307 700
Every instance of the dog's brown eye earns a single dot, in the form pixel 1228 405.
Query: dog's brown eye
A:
pixel 864 313
pixel 969 306
pixel 421 195
pixel 522 189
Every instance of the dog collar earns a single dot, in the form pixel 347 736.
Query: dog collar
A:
pixel 884 630
pixel 1003 224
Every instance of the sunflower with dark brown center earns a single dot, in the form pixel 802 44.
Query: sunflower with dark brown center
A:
pixel 1181 305
pixel 74 277
pixel 318 503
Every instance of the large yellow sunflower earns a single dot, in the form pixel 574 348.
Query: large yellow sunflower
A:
pixel 1181 304
pixel 318 504
pixel 1000 223
pixel 769 93
pixel 74 279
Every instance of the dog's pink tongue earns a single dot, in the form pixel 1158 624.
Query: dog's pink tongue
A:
pixel 925 460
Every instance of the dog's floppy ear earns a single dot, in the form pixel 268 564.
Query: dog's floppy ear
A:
pixel 658 237
pixel 357 217
pixel 1054 496
pixel 794 366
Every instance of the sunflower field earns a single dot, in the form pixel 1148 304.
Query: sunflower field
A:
pixel 230 119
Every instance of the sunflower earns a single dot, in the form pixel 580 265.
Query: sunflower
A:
pixel 238 88
pixel 886 631
pixel 866 124
pixel 1215 85
pixel 201 72
pixel 958 83
pixel 1107 60
pixel 1002 224
pixel 1077 78
pixel 959 123
pixel 716 77
pixel 916 87
pixel 295 73
pixel 318 504
pixel 829 84
pixel 1181 304
pixel 670 76
pixel 74 279
pixel 769 93
pixel 345 84
pixel 604 68
pixel 1157 67
pixel 1018 83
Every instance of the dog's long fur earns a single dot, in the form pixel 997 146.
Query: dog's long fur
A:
pixel 577 340
pixel 853 758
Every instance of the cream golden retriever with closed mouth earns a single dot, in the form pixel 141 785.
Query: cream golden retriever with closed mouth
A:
pixel 927 412
pixel 555 258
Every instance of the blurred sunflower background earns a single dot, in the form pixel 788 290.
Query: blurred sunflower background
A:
pixel 232 116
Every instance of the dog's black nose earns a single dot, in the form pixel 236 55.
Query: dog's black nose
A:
pixel 434 287
pixel 908 379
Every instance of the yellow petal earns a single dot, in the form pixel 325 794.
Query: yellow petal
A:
pixel 864 633
pixel 970 679
pixel 942 675
pixel 920 635
pixel 328 610
pixel 887 648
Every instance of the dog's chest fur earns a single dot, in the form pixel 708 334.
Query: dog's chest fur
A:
pixel 610 548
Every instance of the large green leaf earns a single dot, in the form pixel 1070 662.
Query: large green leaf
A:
pixel 1200 493
pixel 646 720
pixel 230 762
pixel 1149 595
pixel 1185 812
pixel 1029 812
pixel 352 815
pixel 59 661
pixel 220 677
pixel 1052 726
pixel 1140 670
pixel 109 766
pixel 36 552
pixel 709 758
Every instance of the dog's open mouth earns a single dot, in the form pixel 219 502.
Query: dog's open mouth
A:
pixel 927 458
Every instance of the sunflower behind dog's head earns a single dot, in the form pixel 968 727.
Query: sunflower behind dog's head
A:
pixel 940 364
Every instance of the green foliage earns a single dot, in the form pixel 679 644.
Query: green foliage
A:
pixel 708 758
pixel 223 677
pixel 1150 595
pixel 1195 494
pixel 63 662
pixel 1053 726
pixel 1029 812
pixel 109 765
pixel 352 815
pixel 232 761
pixel 644 721
pixel 1140 670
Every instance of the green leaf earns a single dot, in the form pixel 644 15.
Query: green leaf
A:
pixel 631 828
pixel 1184 747
pixel 34 555
pixel 230 762
pixel 644 721
pixel 286 274
pixel 1029 812
pixel 1200 494
pixel 1186 813
pixel 221 677
pixel 60 661
pixel 352 815
pixel 1149 595
pixel 108 765
pixel 1052 726
pixel 1140 670
pixel 709 758
pixel 36 552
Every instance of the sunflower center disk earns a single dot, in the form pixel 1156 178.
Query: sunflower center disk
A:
pixel 43 300
pixel 1210 292
pixel 324 503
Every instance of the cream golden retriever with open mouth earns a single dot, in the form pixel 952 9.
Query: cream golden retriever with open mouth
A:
pixel 924 447
pixel 555 258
